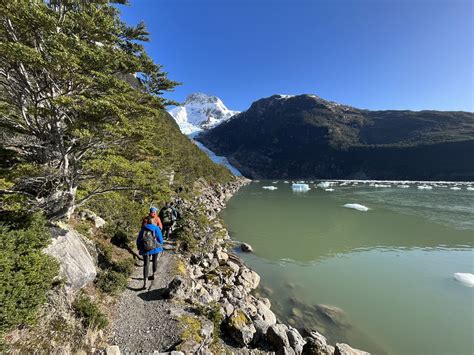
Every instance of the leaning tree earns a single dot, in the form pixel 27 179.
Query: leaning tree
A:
pixel 75 85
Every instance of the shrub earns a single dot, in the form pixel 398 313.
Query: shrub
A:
pixel 89 312
pixel 26 273
pixel 113 279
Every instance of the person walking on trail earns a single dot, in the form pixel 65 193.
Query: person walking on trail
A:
pixel 149 245
pixel 167 217
pixel 154 215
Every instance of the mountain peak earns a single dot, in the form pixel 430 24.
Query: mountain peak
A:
pixel 200 112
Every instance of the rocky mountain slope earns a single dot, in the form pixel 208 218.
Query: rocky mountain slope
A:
pixel 306 136
pixel 201 112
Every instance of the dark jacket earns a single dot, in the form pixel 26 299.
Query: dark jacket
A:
pixel 159 238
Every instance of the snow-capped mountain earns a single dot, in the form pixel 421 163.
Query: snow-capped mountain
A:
pixel 201 112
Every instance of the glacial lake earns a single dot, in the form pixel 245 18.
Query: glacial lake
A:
pixel 385 275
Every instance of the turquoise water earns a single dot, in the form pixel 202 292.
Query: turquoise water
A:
pixel 389 270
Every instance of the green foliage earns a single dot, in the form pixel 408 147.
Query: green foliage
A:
pixel 113 276
pixel 111 282
pixel 89 312
pixel 26 273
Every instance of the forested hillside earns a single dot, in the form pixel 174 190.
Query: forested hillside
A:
pixel 83 124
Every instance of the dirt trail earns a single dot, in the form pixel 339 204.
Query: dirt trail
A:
pixel 142 320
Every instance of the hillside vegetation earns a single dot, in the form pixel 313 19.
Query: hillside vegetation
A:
pixel 83 124
pixel 308 137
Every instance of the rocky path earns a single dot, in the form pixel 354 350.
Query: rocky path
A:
pixel 142 321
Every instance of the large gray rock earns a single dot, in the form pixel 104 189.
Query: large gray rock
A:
pixel 77 266
pixel 334 314
pixel 276 336
pixel 344 349
pixel 112 350
pixel 99 222
pixel 240 327
pixel 177 289
pixel 246 248
pixel 266 314
pixel 316 344
pixel 296 340
pixel 249 278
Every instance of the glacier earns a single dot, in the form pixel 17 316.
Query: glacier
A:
pixel 200 112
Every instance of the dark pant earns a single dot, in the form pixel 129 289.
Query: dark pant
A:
pixel 167 230
pixel 146 259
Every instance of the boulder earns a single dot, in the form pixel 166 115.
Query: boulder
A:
pixel 344 349
pixel 261 328
pixel 266 314
pixel 247 248
pixel 248 278
pixel 235 268
pixel 177 289
pixel 222 257
pixel 189 347
pixel 316 344
pixel 112 350
pixel 334 314
pixel 240 327
pixel 228 307
pixel 276 336
pixel 99 222
pixel 296 340
pixel 77 266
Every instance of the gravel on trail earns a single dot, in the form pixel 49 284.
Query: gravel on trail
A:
pixel 142 320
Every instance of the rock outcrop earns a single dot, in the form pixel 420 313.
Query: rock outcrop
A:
pixel 77 265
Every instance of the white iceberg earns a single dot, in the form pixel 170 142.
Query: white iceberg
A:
pixel 357 207
pixel 425 187
pixel 326 184
pixel 465 278
pixel 381 185
pixel 455 188
pixel 298 187
pixel 470 188
pixel 403 186
pixel 270 187
pixel 329 190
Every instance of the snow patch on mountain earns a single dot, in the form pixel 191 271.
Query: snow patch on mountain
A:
pixel 201 112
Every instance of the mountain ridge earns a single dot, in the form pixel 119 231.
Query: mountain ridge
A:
pixel 301 136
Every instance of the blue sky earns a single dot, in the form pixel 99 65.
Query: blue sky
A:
pixel 374 54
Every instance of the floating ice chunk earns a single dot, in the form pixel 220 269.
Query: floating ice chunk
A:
pixel 381 185
pixel 470 188
pixel 299 187
pixel 465 278
pixel 269 187
pixel 274 182
pixel 455 188
pixel 403 186
pixel 425 187
pixel 329 190
pixel 286 182
pixel 326 184
pixel 357 207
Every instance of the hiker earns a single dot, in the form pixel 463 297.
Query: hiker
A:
pixel 156 219
pixel 167 216
pixel 149 245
